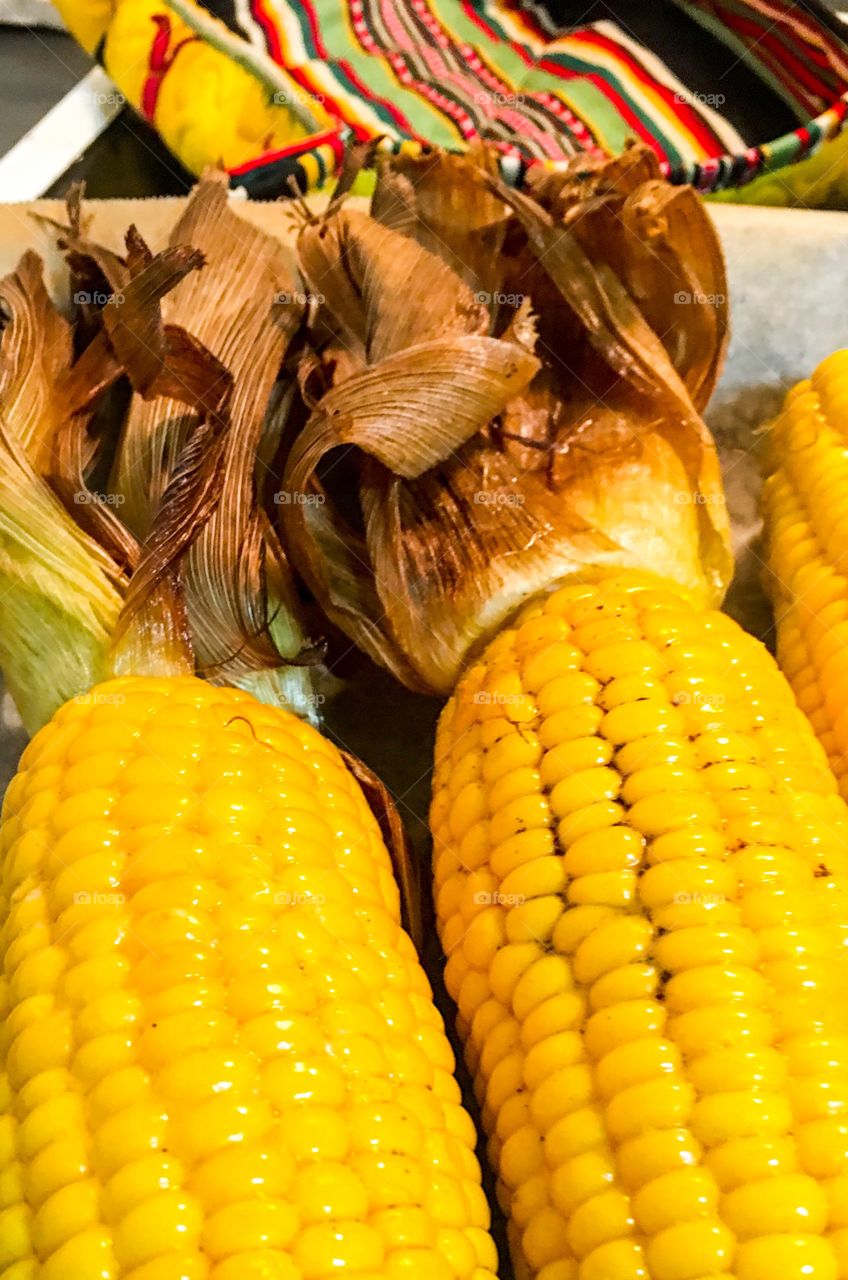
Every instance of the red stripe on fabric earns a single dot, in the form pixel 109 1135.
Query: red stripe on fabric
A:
pixel 820 42
pixel 370 45
pixel 315 30
pixel 526 19
pixel 614 97
pixel 331 138
pixel 157 64
pixel 473 16
pixel 447 106
pixel 760 40
pixel 694 122
pixel 805 138
pixel 269 30
pixel 398 116
pixel 549 101
pixel 809 100
pixel 428 19
pixel 160 61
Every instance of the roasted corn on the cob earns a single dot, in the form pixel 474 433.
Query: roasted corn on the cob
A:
pixel 805 511
pixel 219 1055
pixel 642 891
pixel 640 851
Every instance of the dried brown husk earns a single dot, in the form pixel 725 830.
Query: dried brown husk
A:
pixel 76 609
pixel 240 311
pixel 591 453
pixel 126 602
pixel 62 586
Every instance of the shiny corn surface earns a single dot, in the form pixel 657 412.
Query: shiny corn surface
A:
pixel 805 512
pixel 640 867
pixel 220 1057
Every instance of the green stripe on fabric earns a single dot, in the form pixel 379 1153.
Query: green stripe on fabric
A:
pixel 518 76
pixel 640 107
pixel 588 102
pixel 491 17
pixel 454 19
pixel 593 106
pixel 374 71
pixel 600 108
pixel 745 54
pixel 303 25
pixel 353 93
pixel 793 43
pixel 781 152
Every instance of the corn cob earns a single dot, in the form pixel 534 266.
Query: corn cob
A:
pixel 639 848
pixel 640 870
pixel 803 500
pixel 219 1055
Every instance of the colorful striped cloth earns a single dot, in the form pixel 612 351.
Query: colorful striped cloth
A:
pixel 274 89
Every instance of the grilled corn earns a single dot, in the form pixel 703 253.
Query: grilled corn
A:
pixel 640 870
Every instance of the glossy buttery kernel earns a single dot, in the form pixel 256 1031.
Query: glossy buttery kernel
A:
pixel 648 945
pixel 220 1056
pixel 804 501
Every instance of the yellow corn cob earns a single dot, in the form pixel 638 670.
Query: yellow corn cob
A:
pixel 640 865
pixel 805 500
pixel 220 1055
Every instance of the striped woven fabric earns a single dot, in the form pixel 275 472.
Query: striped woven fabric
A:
pixel 273 89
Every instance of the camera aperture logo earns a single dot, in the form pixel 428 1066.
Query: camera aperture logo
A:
pixel 99 698
pixel 298 298
pixel 683 899
pixel 687 497
pixel 704 99
pixel 296 498
pixel 498 498
pixel 496 898
pixel 299 898
pixel 86 498
pixel 485 698
pixel 683 298
pixel 95 898
pixel 295 96
pixel 499 299
pixel 700 698
pixel 86 298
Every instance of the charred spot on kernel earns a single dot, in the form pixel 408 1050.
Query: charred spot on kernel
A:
pixel 821 870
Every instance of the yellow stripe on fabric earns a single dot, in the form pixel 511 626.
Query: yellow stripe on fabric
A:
pixel 374 70
pixel 745 54
pixel 731 140
pixel 588 102
pixel 311 169
pixel 645 101
pixel 460 27
pixel 289 31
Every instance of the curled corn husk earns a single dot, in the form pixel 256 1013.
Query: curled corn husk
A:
pixel 172 565
pixel 76 604
pixel 571 442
